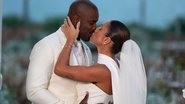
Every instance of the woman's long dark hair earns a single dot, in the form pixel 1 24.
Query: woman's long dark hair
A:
pixel 118 33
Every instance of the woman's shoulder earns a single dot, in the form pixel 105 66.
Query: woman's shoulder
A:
pixel 100 66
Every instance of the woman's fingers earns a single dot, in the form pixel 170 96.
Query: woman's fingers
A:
pixel 69 22
pixel 70 29
pixel 66 24
pixel 78 26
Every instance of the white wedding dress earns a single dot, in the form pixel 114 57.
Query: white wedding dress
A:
pixel 125 78
pixel 96 95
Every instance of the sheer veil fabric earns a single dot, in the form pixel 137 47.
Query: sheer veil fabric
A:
pixel 132 74
pixel 129 82
pixel 183 91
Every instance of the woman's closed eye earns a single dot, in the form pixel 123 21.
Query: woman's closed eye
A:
pixel 100 28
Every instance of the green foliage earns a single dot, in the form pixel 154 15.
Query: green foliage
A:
pixel 12 21
pixel 178 23
pixel 161 89
pixel 52 24
pixel 15 58
pixel 156 34
pixel 8 95
pixel 152 33
pixel 178 68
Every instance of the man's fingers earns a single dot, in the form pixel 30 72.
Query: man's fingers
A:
pixel 110 102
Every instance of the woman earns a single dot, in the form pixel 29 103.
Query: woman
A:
pixel 125 79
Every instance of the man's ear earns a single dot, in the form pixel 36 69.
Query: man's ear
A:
pixel 107 40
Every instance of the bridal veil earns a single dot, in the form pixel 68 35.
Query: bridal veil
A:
pixel 132 76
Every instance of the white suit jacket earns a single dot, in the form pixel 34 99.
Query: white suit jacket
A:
pixel 43 86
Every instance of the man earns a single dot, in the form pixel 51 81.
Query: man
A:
pixel 43 86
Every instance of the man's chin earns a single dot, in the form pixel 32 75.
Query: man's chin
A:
pixel 86 40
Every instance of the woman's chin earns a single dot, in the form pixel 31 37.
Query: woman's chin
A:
pixel 91 41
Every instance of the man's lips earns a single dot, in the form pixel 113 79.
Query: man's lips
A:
pixel 92 32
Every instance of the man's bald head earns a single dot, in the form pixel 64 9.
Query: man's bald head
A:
pixel 79 7
pixel 85 12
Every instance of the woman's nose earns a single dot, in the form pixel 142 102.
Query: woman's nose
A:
pixel 96 29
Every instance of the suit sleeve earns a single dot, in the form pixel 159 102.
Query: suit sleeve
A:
pixel 38 76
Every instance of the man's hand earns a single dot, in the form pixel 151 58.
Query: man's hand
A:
pixel 85 100
pixel 110 102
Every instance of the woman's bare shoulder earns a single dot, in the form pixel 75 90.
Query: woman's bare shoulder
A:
pixel 100 66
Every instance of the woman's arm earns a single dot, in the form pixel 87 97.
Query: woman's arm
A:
pixel 95 73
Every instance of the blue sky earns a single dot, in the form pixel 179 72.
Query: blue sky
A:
pixel 159 13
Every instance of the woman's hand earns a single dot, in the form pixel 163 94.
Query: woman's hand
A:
pixel 70 31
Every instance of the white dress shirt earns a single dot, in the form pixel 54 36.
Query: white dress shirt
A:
pixel 79 52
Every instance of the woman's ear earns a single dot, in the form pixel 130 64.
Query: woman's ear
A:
pixel 107 40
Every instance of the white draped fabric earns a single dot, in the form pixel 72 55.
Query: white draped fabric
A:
pixel 128 80
pixel 132 74
pixel 96 95
pixel 183 93
pixel 113 67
